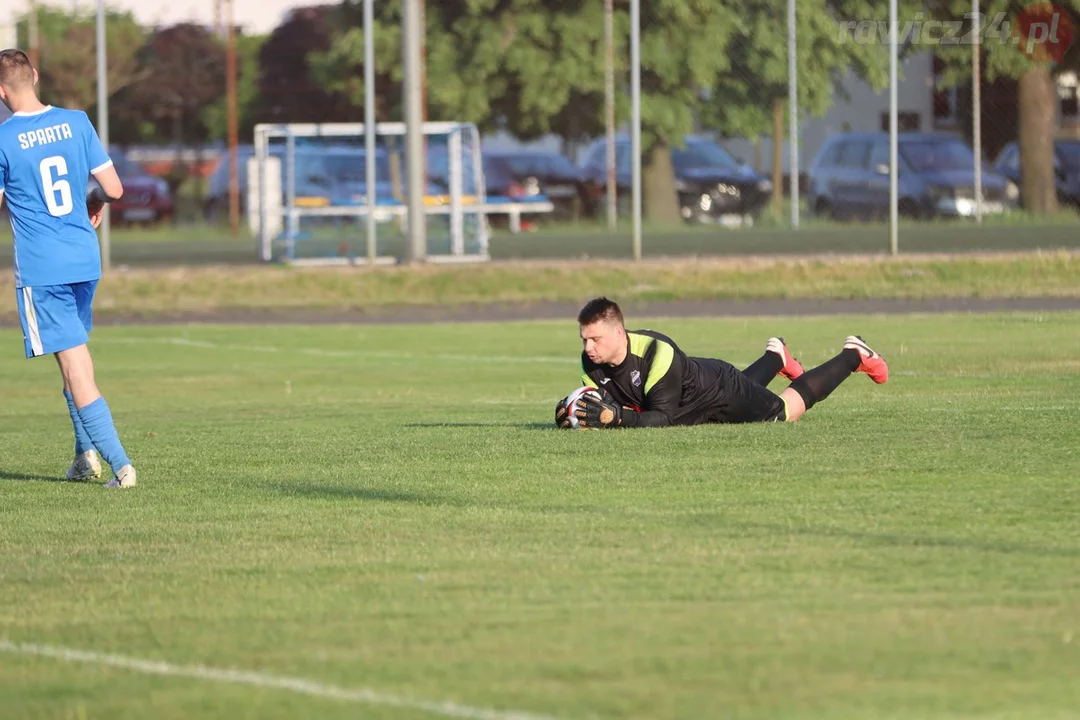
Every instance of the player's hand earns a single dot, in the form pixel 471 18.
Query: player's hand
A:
pixel 562 419
pixel 95 207
pixel 593 413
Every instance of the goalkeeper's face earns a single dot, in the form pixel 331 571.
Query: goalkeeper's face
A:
pixel 604 342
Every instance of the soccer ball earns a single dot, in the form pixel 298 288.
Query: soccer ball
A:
pixel 572 400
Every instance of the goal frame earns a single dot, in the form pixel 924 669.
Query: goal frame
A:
pixel 457 208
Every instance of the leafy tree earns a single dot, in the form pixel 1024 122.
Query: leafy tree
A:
pixel 339 67
pixel 529 67
pixel 287 87
pixel 469 74
pixel 67 50
pixel 215 115
pixel 183 71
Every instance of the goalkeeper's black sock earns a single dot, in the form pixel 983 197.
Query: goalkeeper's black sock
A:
pixel 816 384
pixel 765 368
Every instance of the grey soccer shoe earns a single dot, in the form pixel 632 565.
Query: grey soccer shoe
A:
pixel 85 467
pixel 124 478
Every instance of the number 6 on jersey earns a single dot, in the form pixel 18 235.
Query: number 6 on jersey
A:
pixel 52 169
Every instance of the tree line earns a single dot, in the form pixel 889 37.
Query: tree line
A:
pixel 529 67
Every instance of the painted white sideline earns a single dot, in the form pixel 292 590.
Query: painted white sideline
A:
pixel 301 686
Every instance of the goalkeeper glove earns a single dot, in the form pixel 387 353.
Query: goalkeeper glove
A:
pixel 562 419
pixel 603 413
pixel 562 416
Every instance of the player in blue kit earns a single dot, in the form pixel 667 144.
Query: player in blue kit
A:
pixel 47 156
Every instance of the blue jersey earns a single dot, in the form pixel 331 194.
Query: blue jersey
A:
pixel 46 159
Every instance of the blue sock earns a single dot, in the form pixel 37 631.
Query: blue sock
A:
pixel 97 419
pixel 82 440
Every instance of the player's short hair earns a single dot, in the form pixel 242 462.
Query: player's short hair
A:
pixel 599 309
pixel 16 71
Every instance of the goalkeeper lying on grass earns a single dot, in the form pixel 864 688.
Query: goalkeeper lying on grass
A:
pixel 642 379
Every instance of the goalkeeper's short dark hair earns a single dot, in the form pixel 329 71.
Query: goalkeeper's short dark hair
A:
pixel 599 309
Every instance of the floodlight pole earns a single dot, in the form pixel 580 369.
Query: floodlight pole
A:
pixel 233 119
pixel 793 117
pixel 976 106
pixel 369 125
pixel 635 124
pixel 414 140
pixel 103 128
pixel 894 189
pixel 609 112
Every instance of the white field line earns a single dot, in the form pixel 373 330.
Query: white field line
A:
pixel 244 677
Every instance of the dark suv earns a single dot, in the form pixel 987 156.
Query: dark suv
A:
pixel 1066 168
pixel 849 178
pixel 712 185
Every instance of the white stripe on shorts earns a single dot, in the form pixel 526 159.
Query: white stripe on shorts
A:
pixel 31 323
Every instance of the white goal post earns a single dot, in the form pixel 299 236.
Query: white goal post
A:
pixel 308 193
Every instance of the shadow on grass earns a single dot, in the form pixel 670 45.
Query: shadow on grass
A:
pixel 344 492
pixel 426 499
pixel 522 426
pixel 24 477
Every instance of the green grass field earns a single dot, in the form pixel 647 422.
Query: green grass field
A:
pixel 387 513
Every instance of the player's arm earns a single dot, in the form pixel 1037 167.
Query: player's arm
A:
pixel 109 189
pixel 663 390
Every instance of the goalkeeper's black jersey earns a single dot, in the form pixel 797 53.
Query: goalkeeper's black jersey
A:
pixel 663 384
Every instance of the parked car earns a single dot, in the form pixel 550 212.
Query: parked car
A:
pixel 324 176
pixel 520 175
pixel 849 178
pixel 1066 168
pixel 146 199
pixel 712 185
pixel 501 183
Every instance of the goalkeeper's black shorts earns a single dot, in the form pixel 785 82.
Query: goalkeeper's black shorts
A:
pixel 736 398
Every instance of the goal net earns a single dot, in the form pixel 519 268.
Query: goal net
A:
pixel 308 199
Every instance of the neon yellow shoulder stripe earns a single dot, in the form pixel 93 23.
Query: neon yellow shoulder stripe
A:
pixel 639 344
pixel 662 358
pixel 661 363
pixel 585 379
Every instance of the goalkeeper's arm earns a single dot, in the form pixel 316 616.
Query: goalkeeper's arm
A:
pixel 661 400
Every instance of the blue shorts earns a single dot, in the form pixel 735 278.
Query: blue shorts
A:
pixel 55 317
